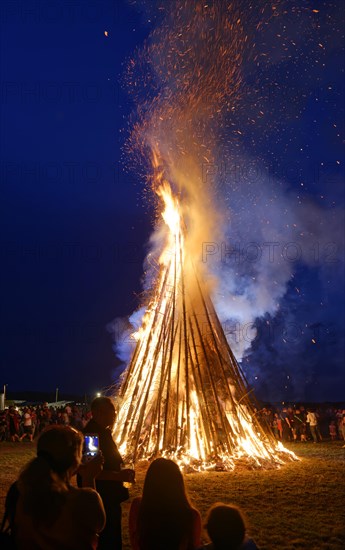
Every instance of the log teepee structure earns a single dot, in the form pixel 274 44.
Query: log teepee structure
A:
pixel 183 394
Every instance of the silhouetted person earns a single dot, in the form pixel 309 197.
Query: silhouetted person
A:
pixel 13 417
pixel 109 482
pixel 226 528
pixel 50 514
pixel 163 518
pixel 313 425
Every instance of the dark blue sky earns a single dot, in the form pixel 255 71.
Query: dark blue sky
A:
pixel 74 226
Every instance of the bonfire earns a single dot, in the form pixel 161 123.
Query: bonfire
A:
pixel 183 394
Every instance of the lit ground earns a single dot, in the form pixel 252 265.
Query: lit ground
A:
pixel 300 506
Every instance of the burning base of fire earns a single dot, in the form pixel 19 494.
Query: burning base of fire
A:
pixel 262 454
pixel 220 462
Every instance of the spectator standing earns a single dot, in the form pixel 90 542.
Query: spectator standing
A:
pixel 163 517
pixel 286 425
pixel 34 422
pixel 279 425
pixel 299 428
pixel 313 424
pixel 339 418
pixel 3 426
pixel 109 483
pixel 333 430
pixel 342 426
pixel 44 417
pixel 65 418
pixel 13 419
pixel 27 425
pixel 75 418
pixel 275 426
pixel 49 512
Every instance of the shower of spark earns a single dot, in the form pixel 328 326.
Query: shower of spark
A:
pixel 183 394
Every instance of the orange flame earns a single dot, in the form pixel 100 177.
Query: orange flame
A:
pixel 154 378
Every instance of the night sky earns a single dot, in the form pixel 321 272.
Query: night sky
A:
pixel 75 224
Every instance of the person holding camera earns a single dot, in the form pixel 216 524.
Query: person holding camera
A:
pixel 109 482
pixel 43 509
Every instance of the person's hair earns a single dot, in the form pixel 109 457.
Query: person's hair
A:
pixel 44 482
pixel 165 518
pixel 99 403
pixel 225 527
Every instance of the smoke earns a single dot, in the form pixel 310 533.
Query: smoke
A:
pixel 203 112
pixel 271 234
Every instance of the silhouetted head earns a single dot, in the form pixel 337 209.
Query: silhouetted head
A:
pixel 44 482
pixel 61 447
pixel 226 527
pixel 164 481
pixel 165 518
pixel 103 412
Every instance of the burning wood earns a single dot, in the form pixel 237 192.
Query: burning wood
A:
pixel 184 395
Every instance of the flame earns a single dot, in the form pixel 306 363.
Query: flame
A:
pixel 166 393
pixel 183 394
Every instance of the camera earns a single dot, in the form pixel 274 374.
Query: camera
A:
pixel 91 445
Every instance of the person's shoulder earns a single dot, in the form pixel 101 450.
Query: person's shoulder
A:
pixel 85 496
pixel 86 504
pixel 86 501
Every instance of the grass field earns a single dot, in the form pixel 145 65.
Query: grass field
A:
pixel 300 506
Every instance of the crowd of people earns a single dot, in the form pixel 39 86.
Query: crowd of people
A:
pixel 25 423
pixel 288 423
pixel 44 510
pixel 302 423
